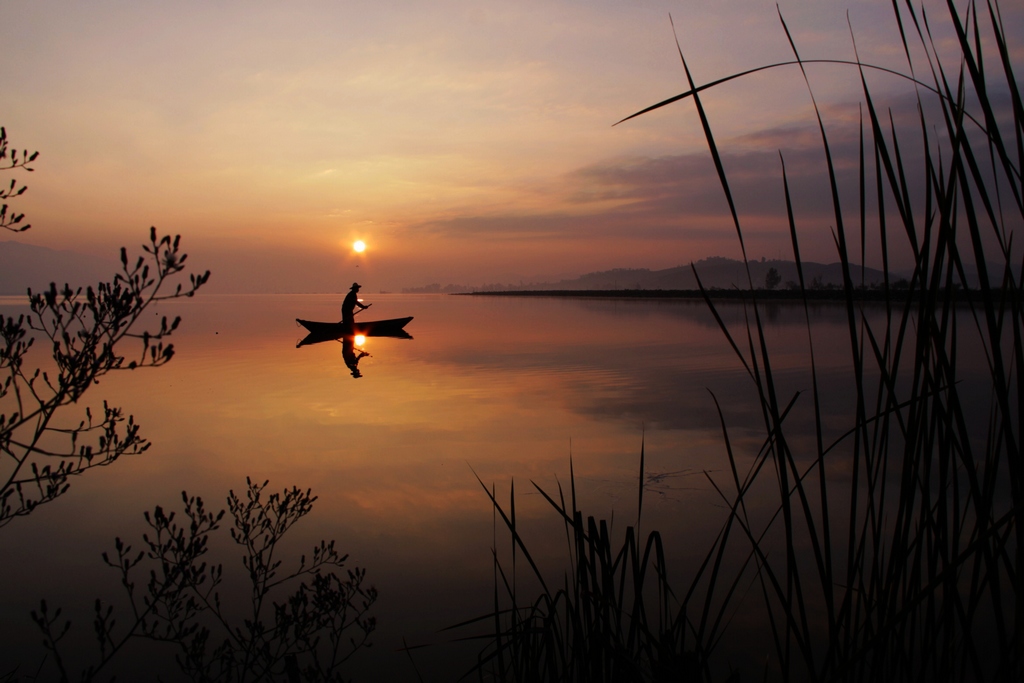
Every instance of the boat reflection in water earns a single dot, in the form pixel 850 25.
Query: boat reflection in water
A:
pixel 352 337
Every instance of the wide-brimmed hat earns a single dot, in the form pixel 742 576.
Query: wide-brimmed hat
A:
pixel 355 285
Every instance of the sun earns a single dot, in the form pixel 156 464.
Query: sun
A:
pixel 359 246
pixel 359 340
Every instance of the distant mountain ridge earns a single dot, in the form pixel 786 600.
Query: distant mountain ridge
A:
pixel 715 272
pixel 722 273
pixel 24 266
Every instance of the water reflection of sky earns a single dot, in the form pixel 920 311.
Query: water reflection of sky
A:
pixel 507 387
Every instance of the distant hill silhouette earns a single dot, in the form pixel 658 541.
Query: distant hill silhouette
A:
pixel 23 266
pixel 715 272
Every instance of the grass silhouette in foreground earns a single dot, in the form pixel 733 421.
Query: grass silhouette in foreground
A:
pixel 891 551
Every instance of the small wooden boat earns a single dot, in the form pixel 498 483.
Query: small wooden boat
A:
pixel 322 331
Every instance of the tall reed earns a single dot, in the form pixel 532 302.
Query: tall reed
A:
pixel 612 618
pixel 892 551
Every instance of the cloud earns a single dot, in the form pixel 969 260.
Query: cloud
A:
pixel 672 195
pixel 681 196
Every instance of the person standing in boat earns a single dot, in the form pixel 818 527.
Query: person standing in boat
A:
pixel 348 307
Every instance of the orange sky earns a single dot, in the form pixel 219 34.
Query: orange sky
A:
pixel 465 142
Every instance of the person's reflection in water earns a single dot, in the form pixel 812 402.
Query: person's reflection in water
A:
pixel 348 352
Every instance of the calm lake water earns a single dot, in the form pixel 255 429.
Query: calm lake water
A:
pixel 507 388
